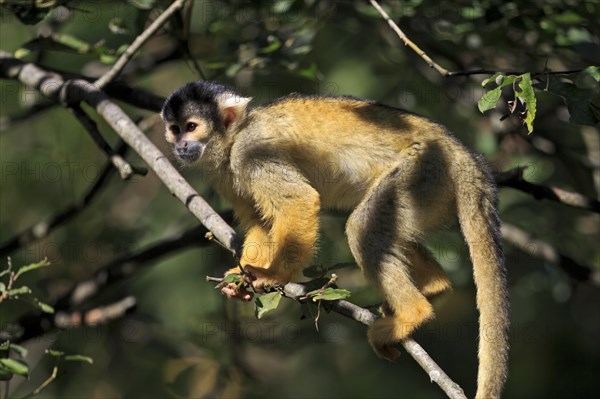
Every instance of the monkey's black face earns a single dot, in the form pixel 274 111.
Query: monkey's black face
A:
pixel 199 115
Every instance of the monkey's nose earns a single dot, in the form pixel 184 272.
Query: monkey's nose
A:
pixel 188 150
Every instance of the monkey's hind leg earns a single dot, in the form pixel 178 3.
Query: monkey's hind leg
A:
pixel 427 273
pixel 379 235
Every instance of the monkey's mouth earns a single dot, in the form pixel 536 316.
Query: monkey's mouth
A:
pixel 189 151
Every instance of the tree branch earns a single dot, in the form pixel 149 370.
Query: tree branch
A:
pixel 366 317
pixel 514 178
pixel 97 315
pixel 443 71
pixel 541 249
pixel 54 87
pixel 137 43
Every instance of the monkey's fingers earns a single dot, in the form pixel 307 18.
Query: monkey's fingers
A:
pixel 241 293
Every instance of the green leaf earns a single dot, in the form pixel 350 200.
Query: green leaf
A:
pixel 593 71
pixel 44 307
pixel 528 96
pixel 274 45
pixel 4 346
pixel 266 303
pixel 79 358
pixel 2 287
pixel 33 266
pixel 232 278
pixel 579 101
pixel 18 349
pixel 24 290
pixel 330 294
pixel 490 79
pixel 17 367
pixel 489 99
pixel 55 353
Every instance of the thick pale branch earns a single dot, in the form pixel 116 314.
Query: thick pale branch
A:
pixel 54 87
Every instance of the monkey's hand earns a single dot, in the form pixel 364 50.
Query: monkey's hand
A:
pixel 237 290
pixel 260 279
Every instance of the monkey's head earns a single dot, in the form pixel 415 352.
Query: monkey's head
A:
pixel 200 114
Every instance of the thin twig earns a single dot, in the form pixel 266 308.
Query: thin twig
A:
pixel 514 179
pixel 126 170
pixel 443 71
pixel 137 43
pixel 407 41
pixel 47 382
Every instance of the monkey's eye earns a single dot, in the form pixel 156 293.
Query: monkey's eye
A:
pixel 190 127
pixel 175 129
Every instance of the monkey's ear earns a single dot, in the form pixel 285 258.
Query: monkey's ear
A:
pixel 231 108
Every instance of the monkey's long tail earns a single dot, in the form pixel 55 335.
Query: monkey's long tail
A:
pixel 476 200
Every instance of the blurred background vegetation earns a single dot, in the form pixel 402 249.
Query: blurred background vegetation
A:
pixel 184 339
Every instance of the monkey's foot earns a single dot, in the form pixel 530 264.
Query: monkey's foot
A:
pixel 395 327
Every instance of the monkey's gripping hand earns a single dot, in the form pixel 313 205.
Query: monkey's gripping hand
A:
pixel 259 279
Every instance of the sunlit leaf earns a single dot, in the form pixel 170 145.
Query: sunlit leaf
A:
pixel 23 290
pixel 330 294
pixel 33 266
pixel 79 358
pixel 492 78
pixel 44 307
pixel 266 303
pixel 489 100
pixel 17 367
pixel 528 96
pixel 55 353
pixel 232 278
pixel 18 349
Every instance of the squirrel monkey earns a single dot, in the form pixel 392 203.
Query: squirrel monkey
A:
pixel 401 176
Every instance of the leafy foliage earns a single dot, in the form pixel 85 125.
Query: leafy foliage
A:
pixel 11 366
